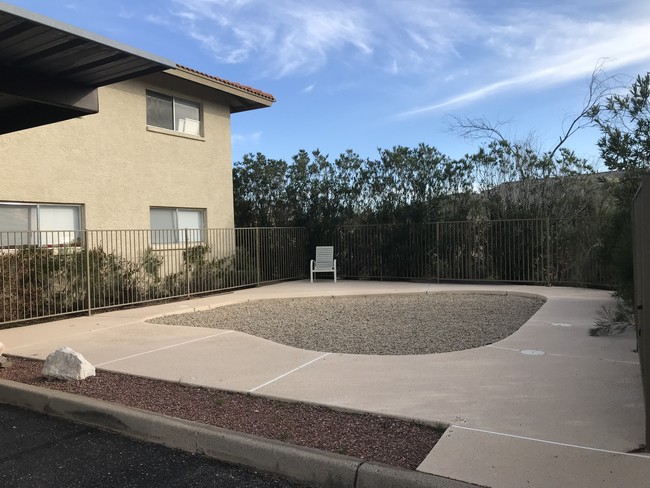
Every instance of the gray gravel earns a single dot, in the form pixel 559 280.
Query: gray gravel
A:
pixel 386 325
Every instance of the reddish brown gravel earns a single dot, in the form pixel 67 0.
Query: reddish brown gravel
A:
pixel 376 438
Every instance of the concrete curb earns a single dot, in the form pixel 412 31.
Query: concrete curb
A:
pixel 306 465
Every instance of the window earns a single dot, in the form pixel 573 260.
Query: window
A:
pixel 40 224
pixel 173 113
pixel 168 225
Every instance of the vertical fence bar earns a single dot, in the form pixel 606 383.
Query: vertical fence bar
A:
pixel 381 253
pixel 548 252
pixel 258 264
pixel 438 252
pixel 89 304
pixel 187 264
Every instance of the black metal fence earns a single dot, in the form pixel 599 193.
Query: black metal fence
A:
pixel 46 274
pixel 547 251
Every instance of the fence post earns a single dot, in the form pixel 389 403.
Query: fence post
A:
pixel 187 264
pixel 88 287
pixel 258 276
pixel 641 266
pixel 381 254
pixel 548 251
pixel 438 252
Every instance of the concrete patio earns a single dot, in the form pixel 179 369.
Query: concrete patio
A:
pixel 547 406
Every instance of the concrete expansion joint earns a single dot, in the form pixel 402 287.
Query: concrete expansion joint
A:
pixel 356 473
pixel 47 407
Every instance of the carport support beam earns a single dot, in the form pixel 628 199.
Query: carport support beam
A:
pixel 43 100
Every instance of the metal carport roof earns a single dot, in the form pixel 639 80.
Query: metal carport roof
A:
pixel 49 71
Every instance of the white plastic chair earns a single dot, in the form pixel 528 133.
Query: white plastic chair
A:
pixel 324 262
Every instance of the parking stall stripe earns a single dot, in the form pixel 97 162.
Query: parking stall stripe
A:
pixel 163 348
pixel 289 372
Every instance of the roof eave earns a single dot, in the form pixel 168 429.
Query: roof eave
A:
pixel 242 101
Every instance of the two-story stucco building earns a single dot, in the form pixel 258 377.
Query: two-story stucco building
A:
pixel 157 155
pixel 154 151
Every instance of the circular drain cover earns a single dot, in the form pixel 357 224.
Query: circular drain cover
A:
pixel 533 352
pixel 561 324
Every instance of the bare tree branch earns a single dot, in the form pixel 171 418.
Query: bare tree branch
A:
pixel 600 87
pixel 476 128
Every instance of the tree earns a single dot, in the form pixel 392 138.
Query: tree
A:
pixel 350 186
pixel 515 180
pixel 624 121
pixel 410 185
pixel 518 178
pixel 259 189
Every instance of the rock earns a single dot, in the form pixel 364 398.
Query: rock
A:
pixel 66 364
pixel 2 348
pixel 4 362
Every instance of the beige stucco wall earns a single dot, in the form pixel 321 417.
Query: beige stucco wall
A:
pixel 117 168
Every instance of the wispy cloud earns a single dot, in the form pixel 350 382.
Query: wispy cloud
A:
pixel 309 88
pixel 536 50
pixel 238 139
pixel 292 37
pixel 288 35
pixel 158 20
pixel 126 14
pixel 451 51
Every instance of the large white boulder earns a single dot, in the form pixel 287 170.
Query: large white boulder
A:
pixel 4 362
pixel 67 364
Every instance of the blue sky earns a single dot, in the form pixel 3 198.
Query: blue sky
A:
pixel 363 74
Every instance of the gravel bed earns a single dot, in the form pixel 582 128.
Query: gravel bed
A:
pixel 386 325
pixel 383 439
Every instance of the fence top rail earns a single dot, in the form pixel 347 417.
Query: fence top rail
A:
pixel 398 224
pixel 271 228
pixel 345 226
pixel 203 229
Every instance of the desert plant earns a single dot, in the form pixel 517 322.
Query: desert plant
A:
pixel 613 319
pixel 196 255
pixel 151 263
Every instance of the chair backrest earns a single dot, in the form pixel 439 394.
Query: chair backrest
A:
pixel 324 256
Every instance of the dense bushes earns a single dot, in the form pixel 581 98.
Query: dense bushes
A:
pixel 41 282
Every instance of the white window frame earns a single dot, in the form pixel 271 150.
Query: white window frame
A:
pixel 39 234
pixel 182 126
pixel 175 233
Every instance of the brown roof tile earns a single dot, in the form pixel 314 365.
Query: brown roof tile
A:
pixel 249 89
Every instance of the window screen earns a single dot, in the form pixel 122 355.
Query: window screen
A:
pixel 160 110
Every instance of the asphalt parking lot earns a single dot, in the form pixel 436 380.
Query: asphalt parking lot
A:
pixel 41 451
